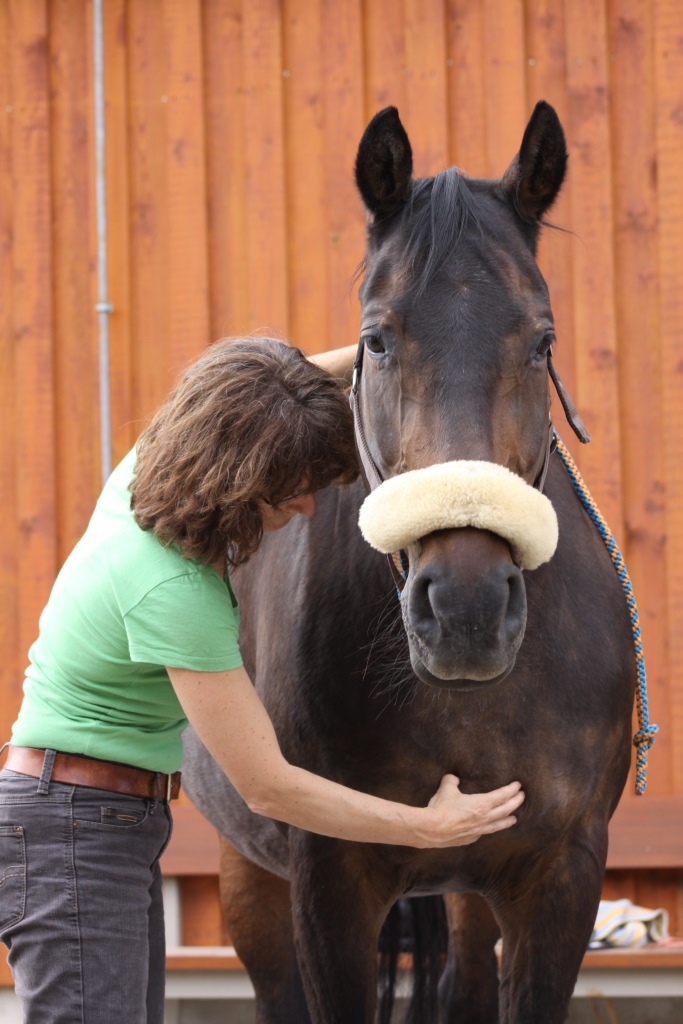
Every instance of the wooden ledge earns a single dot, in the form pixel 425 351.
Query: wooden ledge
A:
pixel 202 958
pixel 224 958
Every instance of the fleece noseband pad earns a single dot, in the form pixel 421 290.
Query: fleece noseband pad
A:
pixel 463 493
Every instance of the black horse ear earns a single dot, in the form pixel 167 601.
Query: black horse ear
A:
pixel 534 178
pixel 384 164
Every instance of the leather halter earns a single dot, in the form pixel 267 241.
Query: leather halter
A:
pixel 374 477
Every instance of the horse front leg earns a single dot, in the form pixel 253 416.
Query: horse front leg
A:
pixel 258 916
pixel 340 897
pixel 468 989
pixel 546 923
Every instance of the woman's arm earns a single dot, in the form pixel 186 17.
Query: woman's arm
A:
pixel 338 362
pixel 231 721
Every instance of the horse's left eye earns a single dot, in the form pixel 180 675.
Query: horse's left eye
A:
pixel 545 346
pixel 373 343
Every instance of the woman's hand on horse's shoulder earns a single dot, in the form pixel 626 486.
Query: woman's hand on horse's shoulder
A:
pixel 461 818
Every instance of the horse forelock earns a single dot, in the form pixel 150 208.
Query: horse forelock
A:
pixel 429 227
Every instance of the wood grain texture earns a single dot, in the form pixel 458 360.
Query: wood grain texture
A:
pixel 74 277
pixel 116 56
pixel 308 268
pixel 266 247
pixel 342 53
pixel 546 76
pixel 425 84
pixel 590 190
pixel 11 667
pixel 468 108
pixel 637 322
pixel 187 286
pixel 504 62
pixel 32 320
pixel 669 136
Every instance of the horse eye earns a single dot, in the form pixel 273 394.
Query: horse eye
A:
pixel 373 343
pixel 545 346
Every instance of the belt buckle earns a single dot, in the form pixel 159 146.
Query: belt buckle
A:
pixel 169 787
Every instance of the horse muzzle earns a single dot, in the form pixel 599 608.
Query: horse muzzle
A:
pixel 464 604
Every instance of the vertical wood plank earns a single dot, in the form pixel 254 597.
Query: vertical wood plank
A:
pixel 152 360
pixel 466 88
pixel 384 57
pixel 226 169
pixel 32 312
pixel 344 91
pixel 637 310
pixel 590 191
pixel 264 152
pixel 547 79
pixel 657 889
pixel 12 665
pixel 115 35
pixel 187 287
pixel 505 78
pixel 426 88
pixel 200 911
pixel 304 118
pixel 74 326
pixel 668 57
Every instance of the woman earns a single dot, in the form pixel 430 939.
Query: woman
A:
pixel 140 635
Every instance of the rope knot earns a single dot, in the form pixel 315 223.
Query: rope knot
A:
pixel 644 738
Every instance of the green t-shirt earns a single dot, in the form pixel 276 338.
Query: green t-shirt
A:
pixel 123 607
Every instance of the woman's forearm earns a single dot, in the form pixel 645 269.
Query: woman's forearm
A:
pixel 338 362
pixel 230 719
pixel 311 802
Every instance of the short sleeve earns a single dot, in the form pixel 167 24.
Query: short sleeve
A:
pixel 186 622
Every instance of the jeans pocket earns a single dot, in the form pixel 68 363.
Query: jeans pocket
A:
pixel 105 817
pixel 12 875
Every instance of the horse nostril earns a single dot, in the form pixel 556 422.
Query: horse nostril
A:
pixel 515 614
pixel 421 610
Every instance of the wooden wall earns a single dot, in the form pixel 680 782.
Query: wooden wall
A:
pixel 231 134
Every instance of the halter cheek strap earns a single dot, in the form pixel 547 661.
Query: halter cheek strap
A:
pixel 373 477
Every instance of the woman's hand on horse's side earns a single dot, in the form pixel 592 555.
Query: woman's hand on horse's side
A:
pixel 462 818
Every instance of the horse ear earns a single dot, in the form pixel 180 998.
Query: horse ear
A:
pixel 534 178
pixel 384 164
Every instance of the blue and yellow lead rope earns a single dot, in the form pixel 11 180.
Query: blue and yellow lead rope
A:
pixel 645 736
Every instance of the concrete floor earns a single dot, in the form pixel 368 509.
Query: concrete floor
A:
pixel 241 1011
pixel 582 1011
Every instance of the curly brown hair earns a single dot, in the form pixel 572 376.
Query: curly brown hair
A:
pixel 248 422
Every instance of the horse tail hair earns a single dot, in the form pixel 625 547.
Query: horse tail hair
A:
pixel 418 927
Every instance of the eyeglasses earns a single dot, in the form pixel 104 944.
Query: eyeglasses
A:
pixel 292 497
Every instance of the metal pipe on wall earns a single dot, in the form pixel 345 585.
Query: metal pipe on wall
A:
pixel 103 307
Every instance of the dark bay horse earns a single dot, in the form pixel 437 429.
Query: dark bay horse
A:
pixel 481 669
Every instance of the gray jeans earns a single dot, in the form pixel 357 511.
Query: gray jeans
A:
pixel 80 901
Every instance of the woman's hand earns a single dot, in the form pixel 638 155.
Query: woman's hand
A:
pixel 461 818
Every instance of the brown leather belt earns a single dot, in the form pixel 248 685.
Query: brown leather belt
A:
pixel 76 770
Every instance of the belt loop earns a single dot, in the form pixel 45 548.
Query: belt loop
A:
pixel 159 795
pixel 46 772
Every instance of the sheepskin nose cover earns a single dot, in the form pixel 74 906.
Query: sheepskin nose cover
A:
pixel 462 493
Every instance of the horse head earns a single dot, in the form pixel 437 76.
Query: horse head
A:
pixel 451 394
